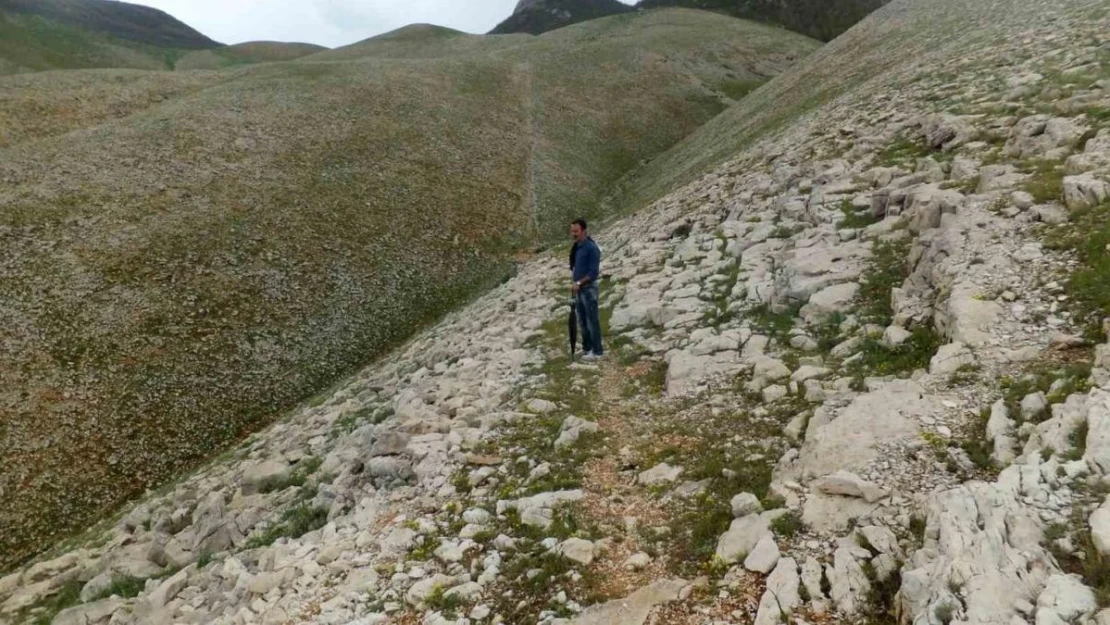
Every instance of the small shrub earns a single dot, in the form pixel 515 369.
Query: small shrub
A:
pixel 294 523
pixel 854 220
pixel 123 586
pixel 788 525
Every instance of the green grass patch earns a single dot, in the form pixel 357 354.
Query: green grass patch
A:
pixel 877 359
pixel 765 320
pixel 123 586
pixel 294 523
pixel 67 596
pixel 1046 181
pixel 854 220
pixel 788 525
pixel 297 477
pixel 1073 378
pixel 888 269
pixel 1088 288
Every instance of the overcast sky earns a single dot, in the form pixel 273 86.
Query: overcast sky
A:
pixel 329 23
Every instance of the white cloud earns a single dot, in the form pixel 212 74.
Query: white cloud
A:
pixel 330 23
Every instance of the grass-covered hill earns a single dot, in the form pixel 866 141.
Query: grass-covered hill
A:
pixel 122 20
pixel 188 261
pixel 245 53
pixel 38 35
pixel 540 16
pixel 820 19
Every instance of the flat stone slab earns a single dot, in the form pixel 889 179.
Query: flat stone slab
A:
pixel 633 609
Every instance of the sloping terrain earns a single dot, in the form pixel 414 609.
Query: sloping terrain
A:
pixel 824 20
pixel 246 53
pixel 540 16
pixel 231 242
pixel 857 373
pixel 30 43
pixel 39 35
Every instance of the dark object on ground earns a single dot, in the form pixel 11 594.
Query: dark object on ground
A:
pixel 572 325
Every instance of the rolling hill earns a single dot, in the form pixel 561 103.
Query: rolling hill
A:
pixel 38 35
pixel 246 53
pixel 193 259
pixel 122 20
pixel 821 19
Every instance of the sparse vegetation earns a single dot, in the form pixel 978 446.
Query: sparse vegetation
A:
pixel 294 523
pixel 317 246
pixel 788 525
pixel 1088 287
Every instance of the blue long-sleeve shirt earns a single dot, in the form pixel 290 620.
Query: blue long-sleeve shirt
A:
pixel 587 261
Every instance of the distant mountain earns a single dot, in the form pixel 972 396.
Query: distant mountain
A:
pixel 821 19
pixel 539 16
pixel 37 35
pixel 132 22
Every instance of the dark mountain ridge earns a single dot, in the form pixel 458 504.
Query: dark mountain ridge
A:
pixel 132 22
pixel 824 20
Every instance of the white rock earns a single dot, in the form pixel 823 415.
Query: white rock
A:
pixel 662 473
pixel 849 484
pixel 782 596
pixel 745 504
pixel 949 358
pixel 578 550
pixel 764 556
pixel 637 561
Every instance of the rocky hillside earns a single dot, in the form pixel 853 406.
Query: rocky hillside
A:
pixel 857 372
pixel 191 254
pixel 539 16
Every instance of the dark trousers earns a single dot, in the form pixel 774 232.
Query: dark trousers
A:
pixel 589 319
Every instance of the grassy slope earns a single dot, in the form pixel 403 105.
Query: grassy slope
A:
pixel 894 36
pixel 122 20
pixel 183 274
pixel 33 43
pixel 246 53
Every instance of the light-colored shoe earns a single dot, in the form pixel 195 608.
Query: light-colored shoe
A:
pixel 590 357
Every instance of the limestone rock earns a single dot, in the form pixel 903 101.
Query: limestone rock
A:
pixel 662 473
pixel 949 358
pixel 578 550
pixel 742 537
pixel 764 556
pixel 263 475
pixel 782 595
pixel 745 504
pixel 572 429
pixel 633 609
pixel 1100 527
pixel 849 484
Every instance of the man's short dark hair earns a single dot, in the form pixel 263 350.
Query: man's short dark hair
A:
pixel 581 223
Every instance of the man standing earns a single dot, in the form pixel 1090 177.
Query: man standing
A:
pixel 585 269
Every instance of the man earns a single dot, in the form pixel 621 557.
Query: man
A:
pixel 585 270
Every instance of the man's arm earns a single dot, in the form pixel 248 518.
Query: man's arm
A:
pixel 593 264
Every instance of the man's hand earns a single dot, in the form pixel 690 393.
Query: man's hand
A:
pixel 575 288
